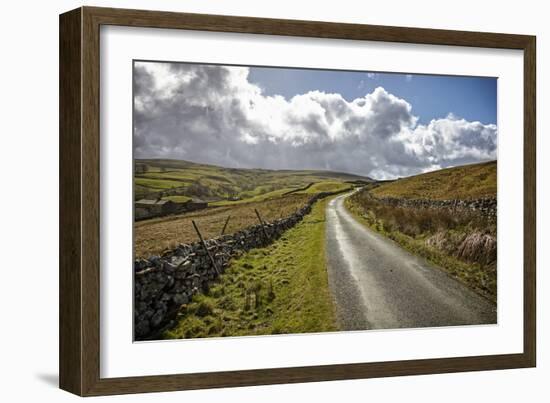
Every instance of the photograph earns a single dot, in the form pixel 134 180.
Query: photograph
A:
pixel 273 200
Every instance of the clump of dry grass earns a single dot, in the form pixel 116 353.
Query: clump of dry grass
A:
pixel 478 247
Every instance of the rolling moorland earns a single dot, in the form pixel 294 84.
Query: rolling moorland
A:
pixel 462 182
pixel 284 287
pixel 233 193
pixel 221 186
pixel 462 241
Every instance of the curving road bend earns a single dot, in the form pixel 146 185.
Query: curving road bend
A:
pixel 378 285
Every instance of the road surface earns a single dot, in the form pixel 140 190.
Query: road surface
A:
pixel 379 285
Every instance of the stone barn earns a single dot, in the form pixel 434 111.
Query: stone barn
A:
pixel 145 208
pixel 195 204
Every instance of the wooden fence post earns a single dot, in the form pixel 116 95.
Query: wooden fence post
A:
pixel 262 224
pixel 225 225
pixel 206 248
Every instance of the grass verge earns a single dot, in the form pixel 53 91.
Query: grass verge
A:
pixel 279 289
pixel 419 231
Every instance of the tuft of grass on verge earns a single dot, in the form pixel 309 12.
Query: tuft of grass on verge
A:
pixel 279 289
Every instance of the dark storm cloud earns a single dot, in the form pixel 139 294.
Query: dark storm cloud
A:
pixel 213 114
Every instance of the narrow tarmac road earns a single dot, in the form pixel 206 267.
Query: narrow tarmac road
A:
pixel 379 285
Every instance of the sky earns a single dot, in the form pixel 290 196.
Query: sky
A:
pixel 382 125
pixel 431 96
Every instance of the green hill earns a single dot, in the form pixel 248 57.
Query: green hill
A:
pixel 168 178
pixel 462 182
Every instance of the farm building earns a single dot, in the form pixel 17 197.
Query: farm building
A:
pixel 195 204
pixel 145 208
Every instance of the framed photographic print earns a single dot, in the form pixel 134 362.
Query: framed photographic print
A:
pixel 249 201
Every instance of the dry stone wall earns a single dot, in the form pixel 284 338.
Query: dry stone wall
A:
pixel 162 284
pixel 486 206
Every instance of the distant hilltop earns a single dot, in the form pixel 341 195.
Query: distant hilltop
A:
pixel 178 180
pixel 462 182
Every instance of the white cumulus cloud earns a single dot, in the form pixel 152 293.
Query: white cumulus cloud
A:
pixel 214 115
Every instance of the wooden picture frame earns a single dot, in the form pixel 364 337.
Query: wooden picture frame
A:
pixel 79 200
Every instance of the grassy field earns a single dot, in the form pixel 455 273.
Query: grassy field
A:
pixel 213 183
pixel 177 199
pixel 461 242
pixel 230 192
pixel 464 182
pixel 258 198
pixel 326 186
pixel 282 288
pixel 156 235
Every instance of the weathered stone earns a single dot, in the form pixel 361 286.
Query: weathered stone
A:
pixel 155 261
pixel 178 260
pixel 486 206
pixel 157 318
pixel 142 328
pixel 180 299
pixel 140 264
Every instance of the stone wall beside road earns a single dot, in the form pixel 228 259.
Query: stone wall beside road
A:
pixel 485 206
pixel 162 284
